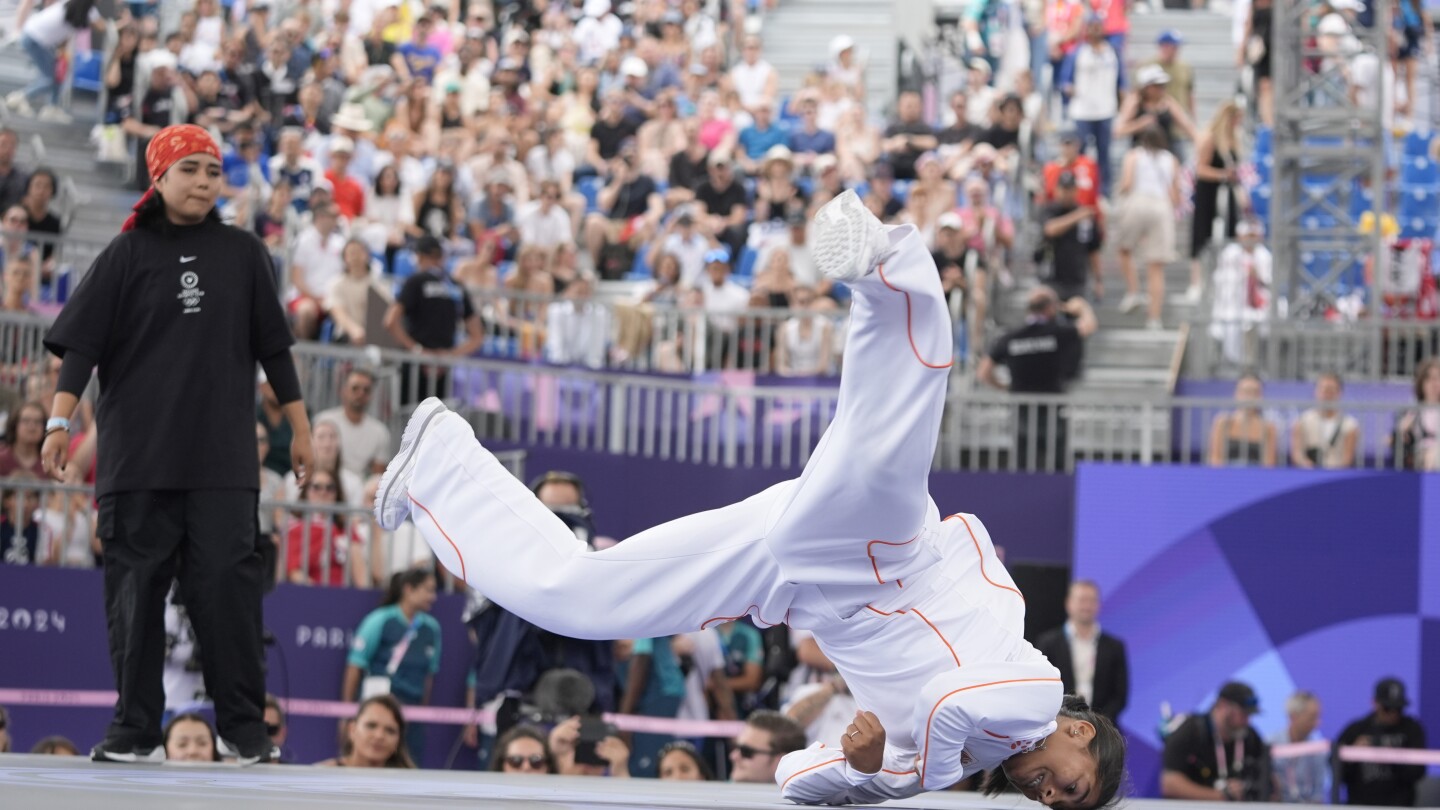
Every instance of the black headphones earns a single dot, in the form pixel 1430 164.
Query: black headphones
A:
pixel 563 477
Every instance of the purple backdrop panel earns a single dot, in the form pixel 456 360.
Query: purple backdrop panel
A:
pixel 1031 515
pixel 1288 579
pixel 52 634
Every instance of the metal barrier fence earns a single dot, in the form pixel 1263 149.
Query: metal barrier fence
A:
pixel 332 545
pixel 1370 349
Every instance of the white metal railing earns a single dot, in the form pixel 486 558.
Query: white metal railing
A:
pixel 1370 349
pixel 330 545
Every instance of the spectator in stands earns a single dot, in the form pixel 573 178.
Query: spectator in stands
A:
pixel 13 232
pixel 1217 161
pixel 492 217
pixel 45 228
pixel 1244 437
pixel 189 738
pixel 758 139
pixel 56 746
pixel 1218 756
pixel 858 145
pixel 662 137
pixel 806 340
pixel 271 416
pixel 632 207
pixel 846 68
pixel 777 197
pixel 439 209
pixel 319 545
pixel 1043 356
pixel 389 214
pixel 316 262
pixel 1004 132
pixel 1091 78
pixel 42 36
pixel 817 697
pixel 167 100
pixel 425 318
pixel 347 192
pixel 1145 225
pixel 931 195
pixel 1254 51
pixel 522 749
pixel 1324 437
pixel 330 458
pixel 1417 431
pixel 544 222
pixel 767 736
pixel 1092 663
pixel 1072 240
pixel 724 299
pixel 754 79
pixel 276 726
pixel 1302 779
pixel 678 761
pixel 808 141
pixel 23 435
pixel 726 205
pixel 1387 726
pixel 67 531
pixel 347 299
pixel 907 137
pixel 291 165
pixel 19 544
pixel 1241 297
pixel 1149 105
pixel 610 130
pixel 13 178
pixel 376 737
pixel 565 738
pixel 988 234
pixel 979 93
pixel 397 649
pixel 365 441
pixel 21 283
pixel 1181 86
pixel 577 329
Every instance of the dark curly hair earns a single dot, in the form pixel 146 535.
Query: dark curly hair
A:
pixel 1107 747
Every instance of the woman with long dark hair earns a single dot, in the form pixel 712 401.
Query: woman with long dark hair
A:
pixel 522 749
pixel 375 738
pixel 397 648
pixel 177 312
pixel 917 613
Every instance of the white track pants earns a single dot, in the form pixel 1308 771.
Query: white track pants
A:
pixel 847 521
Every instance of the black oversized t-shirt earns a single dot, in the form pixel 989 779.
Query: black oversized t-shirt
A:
pixel 1042 356
pixel 718 202
pixel 1070 251
pixel 434 305
pixel 177 323
pixel 1377 783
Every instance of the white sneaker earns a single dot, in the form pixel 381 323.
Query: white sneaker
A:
pixel 23 109
pixel 1192 294
pixel 55 115
pixel 13 99
pixel 1154 325
pixel 1133 301
pixel 392 502
pixel 848 241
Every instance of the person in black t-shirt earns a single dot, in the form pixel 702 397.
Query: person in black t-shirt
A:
pixel 630 210
pixel 727 206
pixel 908 138
pixel 1004 134
pixel 1387 726
pixel 1218 756
pixel 176 312
pixel 425 319
pixel 688 166
pixel 155 110
pixel 962 131
pixel 1042 356
pixel 1071 238
pixel 609 131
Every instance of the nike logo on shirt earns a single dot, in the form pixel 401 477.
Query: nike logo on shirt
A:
pixel 187 259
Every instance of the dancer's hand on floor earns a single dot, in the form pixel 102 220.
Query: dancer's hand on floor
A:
pixel 864 743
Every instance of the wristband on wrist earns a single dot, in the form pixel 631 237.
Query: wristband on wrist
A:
pixel 56 423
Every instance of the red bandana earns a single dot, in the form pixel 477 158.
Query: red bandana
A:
pixel 170 146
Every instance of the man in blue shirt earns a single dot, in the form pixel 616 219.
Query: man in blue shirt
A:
pixel 756 139
pixel 1303 779
pixel 810 141
pixel 420 56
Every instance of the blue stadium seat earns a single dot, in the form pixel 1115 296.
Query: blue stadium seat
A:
pixel 638 270
pixel 1417 143
pixel 806 184
pixel 405 264
pixel 745 268
pixel 862 188
pixel 589 188
pixel 87 71
pixel 1419 227
pixel 327 331
pixel 787 115
pixel 1416 170
pixel 1419 201
pixel 902 190
pixel 1263 141
pixel 1260 201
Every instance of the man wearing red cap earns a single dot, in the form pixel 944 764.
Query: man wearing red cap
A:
pixel 176 313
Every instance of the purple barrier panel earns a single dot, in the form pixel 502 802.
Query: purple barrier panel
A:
pixel 53 637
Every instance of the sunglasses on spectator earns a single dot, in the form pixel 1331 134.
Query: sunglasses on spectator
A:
pixel 536 761
pixel 322 487
pixel 271 730
pixel 746 752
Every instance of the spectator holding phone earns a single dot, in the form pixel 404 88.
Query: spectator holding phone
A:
pixel 589 746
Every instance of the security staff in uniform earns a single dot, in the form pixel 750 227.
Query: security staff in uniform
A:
pixel 1043 357
pixel 176 313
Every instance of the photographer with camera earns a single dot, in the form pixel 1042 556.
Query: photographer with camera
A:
pixel 1218 756
pixel 588 746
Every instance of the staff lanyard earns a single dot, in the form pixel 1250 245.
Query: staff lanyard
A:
pixel 1222 767
pixel 398 654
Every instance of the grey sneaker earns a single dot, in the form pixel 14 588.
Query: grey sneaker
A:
pixel 226 750
pixel 848 241
pixel 392 502
pixel 112 751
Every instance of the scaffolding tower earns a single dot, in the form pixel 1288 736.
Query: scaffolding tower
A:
pixel 1329 153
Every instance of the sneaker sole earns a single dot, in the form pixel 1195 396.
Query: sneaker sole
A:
pixel 156 757
pixel 400 466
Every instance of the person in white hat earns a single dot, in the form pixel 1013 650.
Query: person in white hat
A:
pixel 1150 105
pixel 846 67
pixel 917 613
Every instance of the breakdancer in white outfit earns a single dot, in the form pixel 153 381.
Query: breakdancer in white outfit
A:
pixel 917 613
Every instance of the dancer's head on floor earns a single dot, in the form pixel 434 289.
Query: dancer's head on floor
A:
pixel 1079 767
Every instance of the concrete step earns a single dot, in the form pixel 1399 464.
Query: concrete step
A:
pixel 1130 348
